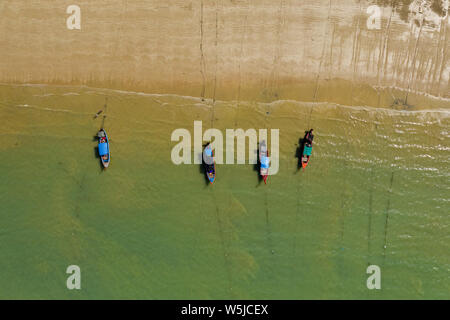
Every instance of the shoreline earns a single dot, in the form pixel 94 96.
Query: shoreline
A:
pixel 393 97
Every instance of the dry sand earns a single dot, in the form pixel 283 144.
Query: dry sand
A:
pixel 310 50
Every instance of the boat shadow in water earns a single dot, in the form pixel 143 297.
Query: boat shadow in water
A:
pixel 257 167
pixel 299 150
pixel 97 155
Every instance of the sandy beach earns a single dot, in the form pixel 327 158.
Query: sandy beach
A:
pixel 232 50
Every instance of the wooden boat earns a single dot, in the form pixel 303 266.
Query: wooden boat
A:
pixel 307 149
pixel 264 161
pixel 209 163
pixel 103 148
pixel 306 155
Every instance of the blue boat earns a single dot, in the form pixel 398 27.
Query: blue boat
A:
pixel 264 161
pixel 103 148
pixel 210 164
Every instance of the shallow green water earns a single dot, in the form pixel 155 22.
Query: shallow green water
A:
pixel 146 228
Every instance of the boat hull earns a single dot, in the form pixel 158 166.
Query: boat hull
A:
pixel 104 151
pixel 264 172
pixel 306 155
pixel 211 175
pixel 105 164
pixel 304 164
pixel 265 179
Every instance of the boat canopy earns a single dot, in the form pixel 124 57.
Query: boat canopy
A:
pixel 103 149
pixel 307 151
pixel 265 162
pixel 208 152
